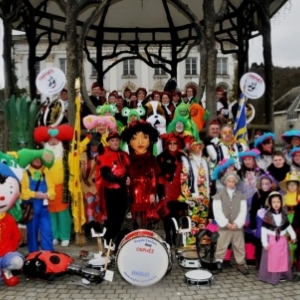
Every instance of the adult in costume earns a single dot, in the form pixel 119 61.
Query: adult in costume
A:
pixel 265 144
pixel 52 138
pixel 294 157
pixel 174 181
pixel 10 178
pixel 199 203
pixel 38 190
pixel 88 167
pixel 292 140
pixel 144 169
pixel 111 182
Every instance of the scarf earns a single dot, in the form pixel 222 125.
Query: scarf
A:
pixel 167 109
pixel 269 222
pixel 279 173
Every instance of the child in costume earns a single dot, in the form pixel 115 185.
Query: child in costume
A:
pixel 291 186
pixel 230 210
pixel 274 264
pixel 266 185
pixel 292 140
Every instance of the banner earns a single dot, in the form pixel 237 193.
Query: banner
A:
pixel 240 124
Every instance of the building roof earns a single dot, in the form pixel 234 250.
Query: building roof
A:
pixel 143 22
pixel 288 101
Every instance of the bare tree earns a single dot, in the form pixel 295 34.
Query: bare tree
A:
pixel 9 11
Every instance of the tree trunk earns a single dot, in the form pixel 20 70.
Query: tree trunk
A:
pixel 30 35
pixel 269 75
pixel 7 58
pixel 72 58
pixel 209 33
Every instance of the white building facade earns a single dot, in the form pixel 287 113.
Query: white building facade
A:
pixel 131 73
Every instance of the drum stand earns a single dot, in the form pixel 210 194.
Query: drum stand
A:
pixel 183 232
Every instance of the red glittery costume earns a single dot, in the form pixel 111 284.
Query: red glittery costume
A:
pixel 143 172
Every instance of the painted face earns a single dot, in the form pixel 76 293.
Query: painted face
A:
pixel 165 99
pixel 276 203
pixel 53 141
pixel 249 162
pixel 179 127
pixel 292 187
pixel 197 149
pixel 133 118
pixel 230 183
pixel 114 144
pixel 183 112
pixel 140 143
pixel 9 193
pixel 278 161
pixel 265 184
pixel 295 141
pixel 227 134
pixel 214 130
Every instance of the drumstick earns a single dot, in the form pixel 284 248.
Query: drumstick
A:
pixel 99 244
pixel 107 254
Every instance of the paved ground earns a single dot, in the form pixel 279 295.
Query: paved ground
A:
pixel 227 285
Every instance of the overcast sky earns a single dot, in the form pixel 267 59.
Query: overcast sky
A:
pixel 285 39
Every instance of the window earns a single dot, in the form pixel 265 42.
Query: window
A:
pixel 191 66
pixel 63 65
pixel 157 70
pixel 94 71
pixel 222 66
pixel 37 67
pixel 128 67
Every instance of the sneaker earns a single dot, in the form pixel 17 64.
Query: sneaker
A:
pixel 241 268
pixel 219 266
pixel 9 278
pixel 65 243
pixel 55 242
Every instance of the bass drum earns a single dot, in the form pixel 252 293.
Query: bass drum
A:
pixel 143 258
pixel 250 111
pixel 54 113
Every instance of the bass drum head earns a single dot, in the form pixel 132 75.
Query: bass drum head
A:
pixel 142 261
pixel 54 113
pixel 198 277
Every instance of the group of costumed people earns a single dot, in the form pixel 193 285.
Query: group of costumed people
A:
pixel 149 165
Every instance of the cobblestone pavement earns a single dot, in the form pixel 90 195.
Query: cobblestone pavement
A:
pixel 227 285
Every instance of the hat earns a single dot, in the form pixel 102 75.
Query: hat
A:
pixel 262 138
pixel 194 143
pixel 228 175
pixel 267 203
pixel 168 137
pixel 96 139
pixel 214 122
pixel 222 166
pixel 95 84
pixel 294 151
pixel 268 176
pixel 250 153
pixel 112 94
pixel 7 171
pixel 290 177
pixel 141 89
pixel 176 93
pixel 288 135
pixel 166 93
pixel 112 135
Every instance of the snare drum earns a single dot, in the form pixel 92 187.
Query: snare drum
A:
pixel 143 258
pixel 189 259
pixel 74 269
pixel 98 263
pixel 198 277
pixel 93 275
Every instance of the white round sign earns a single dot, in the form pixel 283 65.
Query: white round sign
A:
pixel 252 85
pixel 50 81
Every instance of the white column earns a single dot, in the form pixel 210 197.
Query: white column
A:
pixel 145 75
